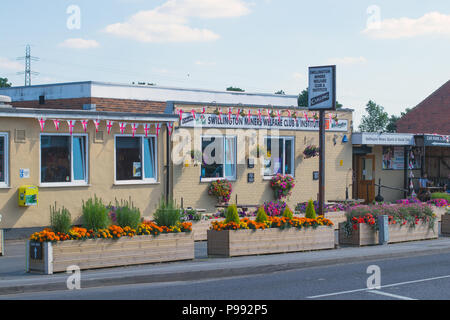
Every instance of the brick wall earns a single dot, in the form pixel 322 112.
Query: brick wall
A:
pixel 430 116
pixel 102 104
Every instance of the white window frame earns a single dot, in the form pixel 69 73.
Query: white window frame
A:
pixel 143 180
pixel 5 184
pixel 230 178
pixel 284 138
pixel 73 182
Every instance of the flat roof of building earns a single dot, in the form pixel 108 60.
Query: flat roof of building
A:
pixel 97 89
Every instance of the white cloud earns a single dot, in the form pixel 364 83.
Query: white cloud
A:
pixel 347 60
pixel 433 23
pixel 10 65
pixel 78 43
pixel 169 22
pixel 208 9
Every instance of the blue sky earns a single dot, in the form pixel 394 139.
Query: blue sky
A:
pixel 393 52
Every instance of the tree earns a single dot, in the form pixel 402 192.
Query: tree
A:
pixel 4 83
pixel 235 89
pixel 376 119
pixel 280 92
pixel 302 100
pixel 392 124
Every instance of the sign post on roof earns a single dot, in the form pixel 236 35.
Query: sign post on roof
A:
pixel 321 97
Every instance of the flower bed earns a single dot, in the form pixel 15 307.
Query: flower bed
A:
pixel 276 235
pixel 407 222
pixel 110 236
pixel 51 252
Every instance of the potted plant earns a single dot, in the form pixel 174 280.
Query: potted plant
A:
pixel 407 222
pixel 268 234
pixel 221 189
pixel 311 151
pixel 99 243
pixel 282 185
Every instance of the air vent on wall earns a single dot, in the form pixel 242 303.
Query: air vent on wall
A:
pixel 98 137
pixel 19 136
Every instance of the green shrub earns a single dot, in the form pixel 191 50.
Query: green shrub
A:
pixel 310 211
pixel 167 214
pixel 60 219
pixel 288 213
pixel 95 214
pixel 127 215
pixel 232 214
pixel 440 195
pixel 261 215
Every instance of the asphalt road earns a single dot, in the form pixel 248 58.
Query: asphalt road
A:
pixel 424 277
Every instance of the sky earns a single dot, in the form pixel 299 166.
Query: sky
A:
pixel 395 53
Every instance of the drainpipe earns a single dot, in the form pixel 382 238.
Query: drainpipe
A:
pixel 168 160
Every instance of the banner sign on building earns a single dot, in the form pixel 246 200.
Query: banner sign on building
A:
pixel 322 88
pixel 254 122
pixel 388 139
pixel 437 141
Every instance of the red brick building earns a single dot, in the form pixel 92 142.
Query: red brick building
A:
pixel 430 116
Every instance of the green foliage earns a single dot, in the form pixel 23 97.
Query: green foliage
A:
pixel 235 89
pixel 127 215
pixel 232 214
pixel 261 215
pixel 60 219
pixel 4 83
pixel 310 211
pixel 95 214
pixel 280 92
pixel 440 195
pixel 167 214
pixel 288 213
pixel 376 119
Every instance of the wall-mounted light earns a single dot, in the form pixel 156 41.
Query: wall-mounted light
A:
pixel 344 139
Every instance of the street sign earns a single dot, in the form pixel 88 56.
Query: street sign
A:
pixel 322 88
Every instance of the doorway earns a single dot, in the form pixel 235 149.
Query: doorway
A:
pixel 366 177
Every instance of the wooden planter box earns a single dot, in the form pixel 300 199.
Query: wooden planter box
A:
pixel 2 243
pixel 365 235
pixel 50 257
pixel 445 224
pixel 439 211
pixel 232 243
pixel 200 228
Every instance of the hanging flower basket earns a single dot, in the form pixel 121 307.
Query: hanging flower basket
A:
pixel 282 185
pixel 311 151
pixel 221 189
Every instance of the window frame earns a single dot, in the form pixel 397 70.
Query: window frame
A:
pixel 234 177
pixel 143 180
pixel 73 182
pixel 284 138
pixel 5 184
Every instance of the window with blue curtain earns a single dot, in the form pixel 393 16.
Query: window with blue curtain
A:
pixel 60 154
pixel 149 158
pixel 79 159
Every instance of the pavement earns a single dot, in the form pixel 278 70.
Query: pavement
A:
pixel 14 279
